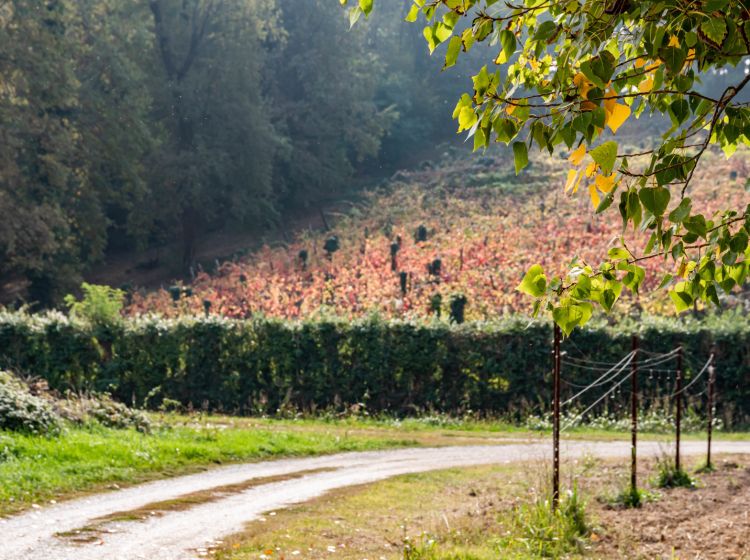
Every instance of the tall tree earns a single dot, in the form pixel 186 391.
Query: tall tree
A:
pixel 323 86
pixel 218 159
pixel 41 179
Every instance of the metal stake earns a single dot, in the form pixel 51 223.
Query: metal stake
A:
pixel 556 422
pixel 678 412
pixel 634 418
pixel 711 379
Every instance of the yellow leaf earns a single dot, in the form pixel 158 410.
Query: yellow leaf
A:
pixel 619 115
pixel 605 184
pixel 674 41
pixel 591 169
pixel 576 157
pixel 594 196
pixel 534 63
pixel 654 65
pixel 646 85
pixel 582 84
pixel 682 269
pixel 510 108
pixel 610 101
pixel 574 177
pixel 640 62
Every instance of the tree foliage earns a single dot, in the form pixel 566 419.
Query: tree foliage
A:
pixel 128 124
pixel 568 75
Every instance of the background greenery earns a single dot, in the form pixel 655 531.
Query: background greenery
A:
pixel 129 124
pixel 400 367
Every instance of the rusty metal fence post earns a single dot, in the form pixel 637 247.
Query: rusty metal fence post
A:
pixel 634 417
pixel 556 421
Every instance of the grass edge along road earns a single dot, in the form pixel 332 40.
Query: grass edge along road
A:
pixel 499 511
pixel 35 470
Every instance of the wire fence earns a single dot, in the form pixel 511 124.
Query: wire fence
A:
pixel 664 382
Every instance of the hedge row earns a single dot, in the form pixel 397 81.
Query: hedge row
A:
pixel 262 365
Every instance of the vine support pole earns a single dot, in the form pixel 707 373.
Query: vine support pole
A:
pixel 678 408
pixel 556 421
pixel 634 418
pixel 709 427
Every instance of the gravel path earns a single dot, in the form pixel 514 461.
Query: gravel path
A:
pixel 181 535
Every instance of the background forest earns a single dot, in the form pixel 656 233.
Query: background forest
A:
pixel 128 124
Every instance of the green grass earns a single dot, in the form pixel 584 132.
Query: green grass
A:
pixel 37 469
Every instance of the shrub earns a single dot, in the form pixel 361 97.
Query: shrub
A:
pixel 101 305
pixel 20 411
pixel 395 366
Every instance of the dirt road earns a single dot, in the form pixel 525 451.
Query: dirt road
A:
pixel 183 535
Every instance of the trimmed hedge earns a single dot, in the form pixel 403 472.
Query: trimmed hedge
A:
pixel 261 365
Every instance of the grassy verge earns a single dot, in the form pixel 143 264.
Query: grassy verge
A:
pixel 36 469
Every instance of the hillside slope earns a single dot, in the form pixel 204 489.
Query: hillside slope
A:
pixel 482 227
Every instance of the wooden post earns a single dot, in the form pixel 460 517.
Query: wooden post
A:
pixel 678 408
pixel 556 422
pixel 711 378
pixel 634 418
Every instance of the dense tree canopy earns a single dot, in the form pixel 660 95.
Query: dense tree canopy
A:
pixel 128 124
pixel 569 75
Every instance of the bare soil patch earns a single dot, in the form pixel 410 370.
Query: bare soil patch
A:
pixel 709 522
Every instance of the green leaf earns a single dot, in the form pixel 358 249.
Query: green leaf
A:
pixel 507 46
pixel 413 14
pixel 572 315
pixel 451 55
pixel 534 282
pixel 520 156
pixel 681 212
pixel 505 129
pixel 365 6
pixel 354 14
pixel 545 30
pixel 714 31
pixel 681 297
pixel 605 155
pixel 696 224
pixel 480 139
pixel 618 254
pixel 738 243
pixel 679 111
pixel 655 200
pixel 665 281
pixel 673 58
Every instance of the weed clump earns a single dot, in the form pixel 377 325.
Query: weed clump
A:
pixel 632 498
pixel 547 532
pixel 669 476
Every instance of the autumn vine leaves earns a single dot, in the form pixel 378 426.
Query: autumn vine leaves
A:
pixel 566 76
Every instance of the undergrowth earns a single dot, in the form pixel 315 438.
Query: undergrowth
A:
pixel 540 530
pixel 669 476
